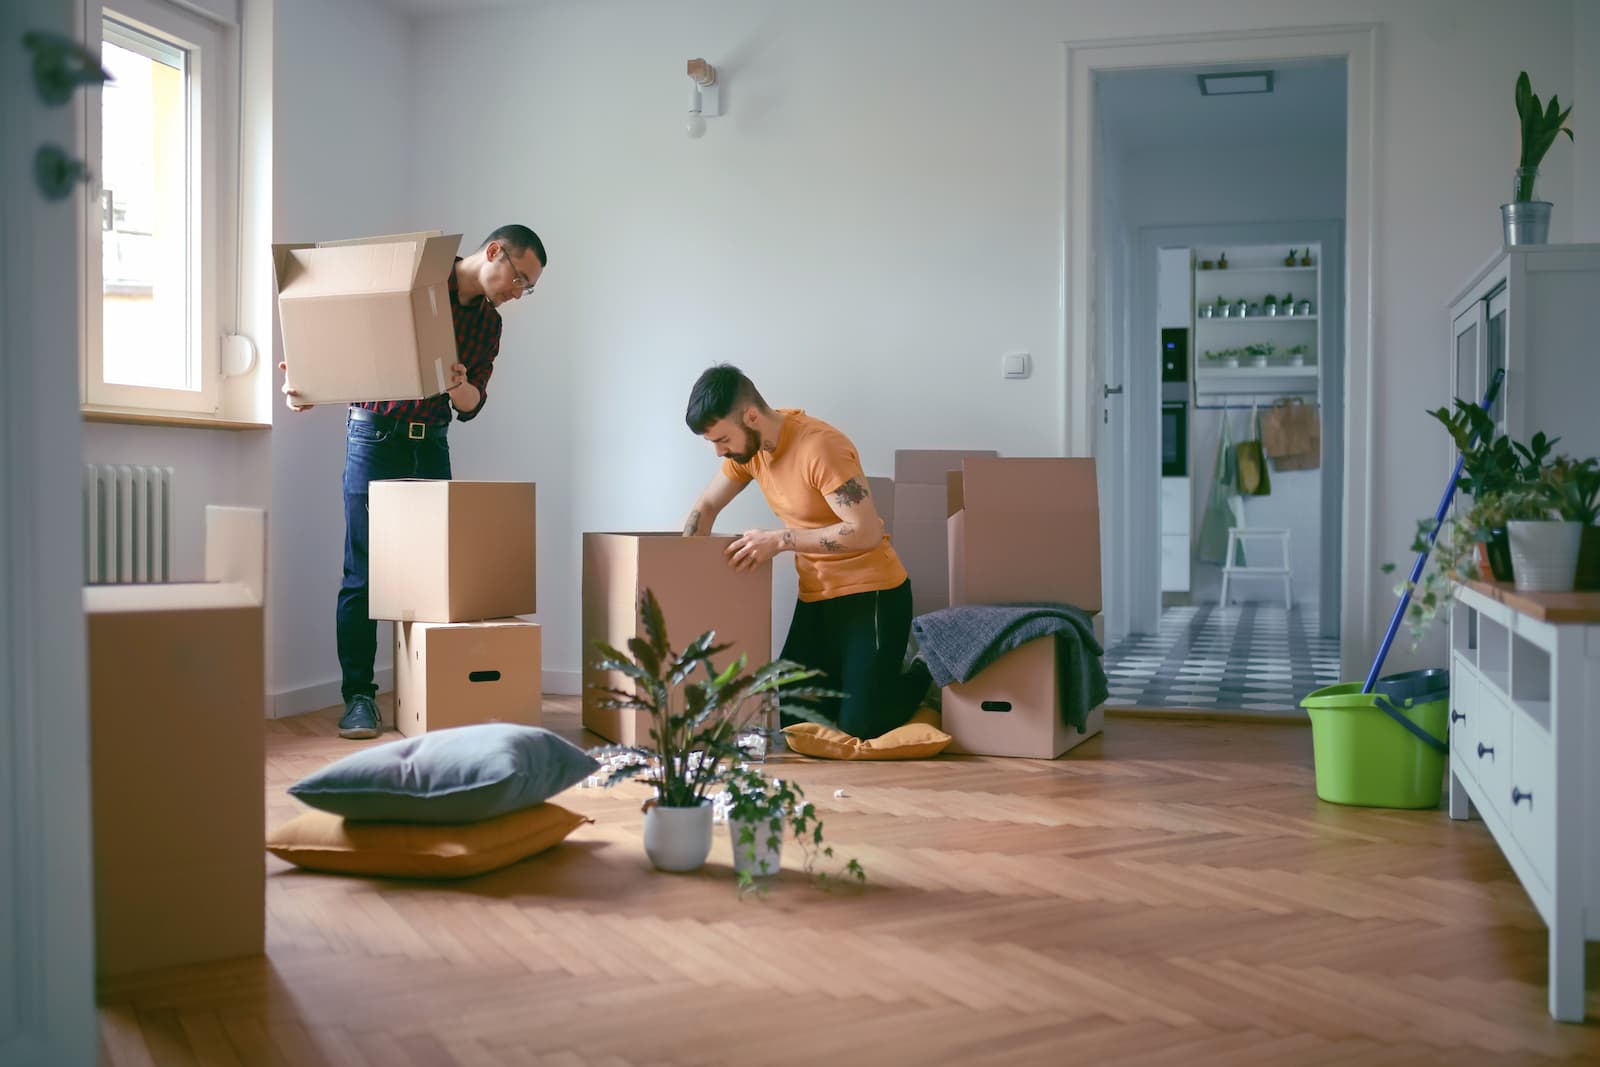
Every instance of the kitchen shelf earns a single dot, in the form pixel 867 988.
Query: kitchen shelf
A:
pixel 1257 270
pixel 1262 320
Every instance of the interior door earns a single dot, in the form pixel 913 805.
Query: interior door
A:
pixel 47 1014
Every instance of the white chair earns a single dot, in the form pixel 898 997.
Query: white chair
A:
pixel 1237 538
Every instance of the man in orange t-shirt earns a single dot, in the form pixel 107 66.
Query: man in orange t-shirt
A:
pixel 853 618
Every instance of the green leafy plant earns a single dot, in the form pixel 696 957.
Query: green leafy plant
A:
pixel 694 725
pixel 1491 461
pixel 760 809
pixel 1540 128
pixel 1572 488
pixel 1297 350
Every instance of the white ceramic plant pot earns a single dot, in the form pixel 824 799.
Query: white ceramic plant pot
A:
pixel 1544 555
pixel 678 839
pixel 767 857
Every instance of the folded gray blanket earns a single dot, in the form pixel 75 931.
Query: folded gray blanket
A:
pixel 957 643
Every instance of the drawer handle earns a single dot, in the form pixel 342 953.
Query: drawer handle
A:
pixel 1484 750
pixel 1457 716
pixel 1518 796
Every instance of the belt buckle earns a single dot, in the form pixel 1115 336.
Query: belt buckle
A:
pixel 417 430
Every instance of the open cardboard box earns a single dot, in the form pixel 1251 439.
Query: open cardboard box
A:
pixel 697 590
pixel 921 532
pixel 177 758
pixel 369 318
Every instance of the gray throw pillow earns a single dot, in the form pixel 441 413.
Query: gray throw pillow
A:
pixel 449 776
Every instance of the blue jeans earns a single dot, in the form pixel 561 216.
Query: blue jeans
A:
pixel 372 454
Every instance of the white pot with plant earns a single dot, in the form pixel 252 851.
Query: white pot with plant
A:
pixel 1526 220
pixel 694 729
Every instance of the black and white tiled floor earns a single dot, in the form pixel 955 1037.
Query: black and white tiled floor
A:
pixel 1246 657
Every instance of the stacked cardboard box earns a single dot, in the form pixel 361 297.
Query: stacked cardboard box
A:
pixel 697 590
pixel 450 563
pixel 177 758
pixel 1021 530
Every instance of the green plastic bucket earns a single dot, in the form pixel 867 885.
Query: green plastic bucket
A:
pixel 1363 756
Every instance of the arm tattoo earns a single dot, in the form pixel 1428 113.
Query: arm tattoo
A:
pixel 788 539
pixel 846 529
pixel 851 492
pixel 691 525
pixel 830 545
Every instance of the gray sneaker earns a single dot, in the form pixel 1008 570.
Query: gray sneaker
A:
pixel 360 718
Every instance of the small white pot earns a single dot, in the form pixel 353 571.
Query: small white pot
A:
pixel 768 854
pixel 1544 555
pixel 678 839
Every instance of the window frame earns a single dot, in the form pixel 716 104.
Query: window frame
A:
pixel 212 85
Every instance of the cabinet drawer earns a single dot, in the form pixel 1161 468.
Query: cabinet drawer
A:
pixel 1530 798
pixel 1175 506
pixel 1480 743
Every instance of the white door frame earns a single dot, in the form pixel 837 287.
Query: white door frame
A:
pixel 47 1009
pixel 1083 351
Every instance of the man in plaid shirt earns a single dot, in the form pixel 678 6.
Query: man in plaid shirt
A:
pixel 408 439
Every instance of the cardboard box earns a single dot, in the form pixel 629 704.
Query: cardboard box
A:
pixel 177 758
pixel 921 528
pixel 459 673
pixel 697 591
pixel 450 551
pixel 367 319
pixel 1025 530
pixel 1013 707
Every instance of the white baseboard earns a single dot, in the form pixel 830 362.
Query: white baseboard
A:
pixel 310 698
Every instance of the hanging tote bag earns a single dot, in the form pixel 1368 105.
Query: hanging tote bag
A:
pixel 1253 477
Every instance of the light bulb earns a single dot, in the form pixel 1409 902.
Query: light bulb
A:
pixel 696 126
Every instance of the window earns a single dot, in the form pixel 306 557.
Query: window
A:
pixel 160 261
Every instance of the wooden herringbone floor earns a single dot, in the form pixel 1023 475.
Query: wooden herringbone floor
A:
pixel 1173 893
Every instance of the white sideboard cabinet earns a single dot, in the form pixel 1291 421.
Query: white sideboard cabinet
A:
pixel 1524 750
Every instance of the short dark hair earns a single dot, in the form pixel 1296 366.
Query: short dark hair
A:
pixel 519 239
pixel 717 393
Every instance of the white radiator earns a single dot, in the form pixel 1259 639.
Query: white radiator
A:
pixel 128 523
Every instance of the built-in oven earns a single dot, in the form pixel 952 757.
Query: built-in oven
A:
pixel 1175 439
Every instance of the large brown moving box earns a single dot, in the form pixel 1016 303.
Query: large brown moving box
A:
pixel 697 591
pixel 177 758
pixel 367 319
pixel 1024 530
pixel 450 551
pixel 459 673
pixel 921 529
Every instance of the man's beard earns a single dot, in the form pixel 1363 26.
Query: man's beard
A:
pixel 752 445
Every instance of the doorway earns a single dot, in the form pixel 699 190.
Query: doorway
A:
pixel 1122 402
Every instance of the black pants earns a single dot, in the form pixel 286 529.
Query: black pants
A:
pixel 859 642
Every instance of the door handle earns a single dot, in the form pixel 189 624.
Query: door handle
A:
pixel 1111 390
pixel 60 65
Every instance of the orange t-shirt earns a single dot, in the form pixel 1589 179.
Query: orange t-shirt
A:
pixel 812 460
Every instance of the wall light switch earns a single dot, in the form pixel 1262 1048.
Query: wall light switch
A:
pixel 1016 364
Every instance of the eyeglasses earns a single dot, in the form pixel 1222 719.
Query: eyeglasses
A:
pixel 516 275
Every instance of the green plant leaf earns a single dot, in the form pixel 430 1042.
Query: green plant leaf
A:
pixel 655 626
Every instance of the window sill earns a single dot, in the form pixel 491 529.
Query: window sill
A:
pixel 139 418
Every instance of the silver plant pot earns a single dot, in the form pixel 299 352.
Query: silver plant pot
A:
pixel 1527 222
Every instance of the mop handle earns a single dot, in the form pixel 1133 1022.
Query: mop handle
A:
pixel 1422 557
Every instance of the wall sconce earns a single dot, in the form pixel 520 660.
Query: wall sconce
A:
pixel 705 97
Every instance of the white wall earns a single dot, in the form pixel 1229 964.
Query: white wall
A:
pixel 344 166
pixel 1586 148
pixel 876 213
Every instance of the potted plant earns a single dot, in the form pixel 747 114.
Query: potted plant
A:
pixel 694 727
pixel 1286 305
pixel 1289 260
pixel 1305 258
pixel 760 810
pixel 1526 220
pixel 1574 490
pixel 1224 309
pixel 1297 354
pixel 1222 260
pixel 1492 465
pixel 1270 305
